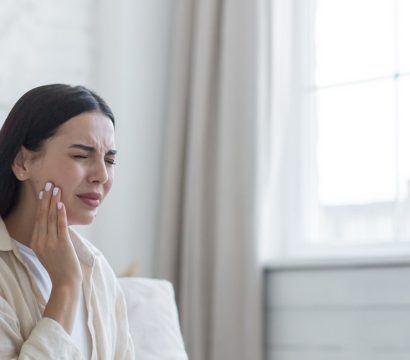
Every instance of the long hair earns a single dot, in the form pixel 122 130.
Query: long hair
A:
pixel 34 118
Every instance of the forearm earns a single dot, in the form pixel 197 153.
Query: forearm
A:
pixel 62 305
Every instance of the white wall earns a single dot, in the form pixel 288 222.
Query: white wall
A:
pixel 43 43
pixel 120 49
pixel 133 58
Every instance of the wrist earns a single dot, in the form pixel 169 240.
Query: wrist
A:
pixel 66 287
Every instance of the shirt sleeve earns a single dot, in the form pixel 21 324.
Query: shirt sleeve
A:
pixel 124 347
pixel 47 340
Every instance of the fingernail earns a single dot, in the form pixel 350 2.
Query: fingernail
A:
pixel 40 194
pixel 48 186
pixel 55 191
pixel 59 205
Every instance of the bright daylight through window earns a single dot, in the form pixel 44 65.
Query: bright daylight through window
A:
pixel 359 172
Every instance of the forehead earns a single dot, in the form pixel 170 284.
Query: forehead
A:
pixel 91 128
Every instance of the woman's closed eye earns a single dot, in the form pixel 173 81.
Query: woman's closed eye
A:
pixel 111 162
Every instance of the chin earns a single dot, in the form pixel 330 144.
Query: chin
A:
pixel 81 219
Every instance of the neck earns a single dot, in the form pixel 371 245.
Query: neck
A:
pixel 20 221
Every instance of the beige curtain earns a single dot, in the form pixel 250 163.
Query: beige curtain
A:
pixel 208 225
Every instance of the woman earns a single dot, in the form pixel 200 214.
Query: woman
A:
pixel 59 298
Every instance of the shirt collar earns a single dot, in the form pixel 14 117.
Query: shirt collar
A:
pixel 84 251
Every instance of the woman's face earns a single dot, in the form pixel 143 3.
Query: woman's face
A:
pixel 74 169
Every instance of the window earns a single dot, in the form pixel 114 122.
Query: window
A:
pixel 348 187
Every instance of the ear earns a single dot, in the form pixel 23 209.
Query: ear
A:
pixel 21 163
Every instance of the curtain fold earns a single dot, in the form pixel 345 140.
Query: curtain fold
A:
pixel 210 186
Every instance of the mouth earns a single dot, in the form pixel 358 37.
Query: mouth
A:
pixel 89 202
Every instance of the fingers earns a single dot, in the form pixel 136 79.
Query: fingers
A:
pixel 62 222
pixel 42 219
pixel 49 219
pixel 52 213
pixel 37 218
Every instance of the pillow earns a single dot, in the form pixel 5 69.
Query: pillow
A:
pixel 153 319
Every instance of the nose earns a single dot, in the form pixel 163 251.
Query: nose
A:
pixel 99 172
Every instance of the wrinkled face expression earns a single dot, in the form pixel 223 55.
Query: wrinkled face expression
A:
pixel 68 164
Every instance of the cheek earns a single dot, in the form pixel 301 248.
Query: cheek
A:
pixel 108 184
pixel 70 173
pixel 69 177
pixel 60 173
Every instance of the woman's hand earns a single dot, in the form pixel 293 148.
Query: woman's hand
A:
pixel 51 240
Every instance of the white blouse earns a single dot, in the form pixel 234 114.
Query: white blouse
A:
pixel 26 334
pixel 80 334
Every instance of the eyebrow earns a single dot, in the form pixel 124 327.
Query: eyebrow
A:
pixel 91 149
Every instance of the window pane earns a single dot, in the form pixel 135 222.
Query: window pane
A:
pixel 356 144
pixel 404 137
pixel 354 40
pixel 404 158
pixel 352 224
pixel 404 35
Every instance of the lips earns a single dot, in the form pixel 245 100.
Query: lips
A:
pixel 91 195
pixel 91 199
